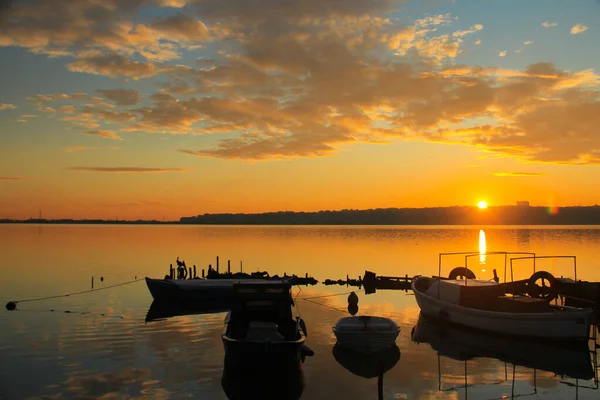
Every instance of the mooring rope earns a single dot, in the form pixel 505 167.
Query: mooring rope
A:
pixel 12 304
pixel 310 299
pixel 332 295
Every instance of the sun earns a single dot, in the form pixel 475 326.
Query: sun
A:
pixel 482 204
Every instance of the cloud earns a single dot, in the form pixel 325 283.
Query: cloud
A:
pixel 502 53
pixel 478 42
pixel 517 174
pixel 5 106
pixel 74 148
pixel 11 178
pixel 547 24
pixel 528 42
pixel 122 97
pixel 579 28
pixel 113 65
pixel 104 134
pixel 126 169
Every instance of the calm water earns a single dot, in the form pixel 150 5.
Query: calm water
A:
pixel 98 345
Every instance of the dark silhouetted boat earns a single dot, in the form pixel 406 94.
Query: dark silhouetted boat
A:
pixel 261 324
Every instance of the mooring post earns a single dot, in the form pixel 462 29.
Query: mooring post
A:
pixel 241 266
pixel 203 273
pixel 194 270
pixel 92 283
pixel 306 276
pixel 228 266
pixel 217 263
pixel 171 274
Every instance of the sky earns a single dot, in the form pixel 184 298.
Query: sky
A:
pixel 158 109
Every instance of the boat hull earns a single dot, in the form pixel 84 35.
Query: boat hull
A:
pixel 366 334
pixel 193 290
pixel 569 324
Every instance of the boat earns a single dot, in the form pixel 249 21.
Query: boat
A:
pixel 261 323
pixel 485 305
pixel 190 291
pixel 455 342
pixel 365 333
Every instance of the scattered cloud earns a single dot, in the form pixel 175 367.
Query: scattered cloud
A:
pixel 11 178
pixel 104 134
pixel 502 53
pixel 579 28
pixel 81 148
pixel 5 106
pixel 517 174
pixel 528 42
pixel 122 97
pixel 547 24
pixel 126 169
pixel 478 41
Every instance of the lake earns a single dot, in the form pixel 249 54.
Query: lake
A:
pixel 99 345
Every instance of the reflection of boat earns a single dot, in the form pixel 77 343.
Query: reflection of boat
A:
pixel 483 305
pixel 162 310
pixel 459 343
pixel 257 378
pixel 191 291
pixel 367 365
pixel 261 323
pixel 366 333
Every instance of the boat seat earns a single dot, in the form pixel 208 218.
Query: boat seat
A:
pixel 522 304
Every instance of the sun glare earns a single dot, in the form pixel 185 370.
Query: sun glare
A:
pixel 482 204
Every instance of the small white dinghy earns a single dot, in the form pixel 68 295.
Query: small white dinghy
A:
pixel 367 334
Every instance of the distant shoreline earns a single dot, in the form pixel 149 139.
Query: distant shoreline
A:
pixel 463 215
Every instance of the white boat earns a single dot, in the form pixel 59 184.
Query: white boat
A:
pixel 483 305
pixel 367 334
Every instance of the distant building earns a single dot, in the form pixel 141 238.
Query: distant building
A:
pixel 522 204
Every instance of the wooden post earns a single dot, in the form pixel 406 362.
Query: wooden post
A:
pixel 228 266
pixel 190 274
pixel 307 275
pixel 217 263
pixel 241 266
pixel 202 272
pixel 194 270
pixel 92 283
pixel 171 272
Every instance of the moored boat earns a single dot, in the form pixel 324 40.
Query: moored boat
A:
pixel 368 334
pixel 261 323
pixel 484 305
pixel 193 290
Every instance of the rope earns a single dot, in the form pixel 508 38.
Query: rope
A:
pixel 332 295
pixel 76 293
pixel 325 305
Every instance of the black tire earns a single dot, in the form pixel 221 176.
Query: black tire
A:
pixel 463 272
pixel 535 291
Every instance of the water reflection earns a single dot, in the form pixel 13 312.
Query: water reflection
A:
pixel 482 249
pixel 160 311
pixel 373 365
pixel 574 361
pixel 257 378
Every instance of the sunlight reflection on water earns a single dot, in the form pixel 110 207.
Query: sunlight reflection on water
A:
pixel 104 347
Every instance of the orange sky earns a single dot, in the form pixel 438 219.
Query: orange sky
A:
pixel 169 108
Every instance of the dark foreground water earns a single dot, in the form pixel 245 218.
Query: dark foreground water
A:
pixel 100 345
